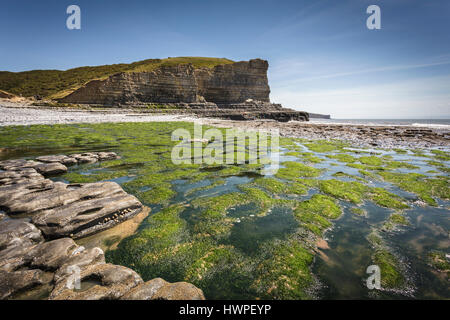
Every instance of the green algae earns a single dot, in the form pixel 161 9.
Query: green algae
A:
pixel 391 274
pixel 285 273
pixel 157 195
pixel 278 187
pixel 400 151
pixel 371 160
pixel 387 199
pixel 389 165
pixel 425 188
pixel 341 174
pixel 185 243
pixel 322 146
pixel 314 214
pixel 295 170
pixel 441 155
pixel 365 167
pixel 439 261
pixel 357 192
pixel 293 153
pixel 394 221
pixel 213 184
pixel 358 211
pixel 75 177
pixel 369 174
pixel 343 157
pixel 310 158
pixel 349 191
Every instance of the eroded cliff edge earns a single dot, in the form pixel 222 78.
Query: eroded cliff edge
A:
pixel 221 85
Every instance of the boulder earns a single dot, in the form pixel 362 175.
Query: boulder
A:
pixel 11 193
pixel 51 169
pixel 179 291
pixel 18 164
pixel 83 209
pixel 83 158
pixel 98 282
pixel 51 255
pixel 103 156
pixel 158 289
pixel 63 159
pixel 19 176
pixel 15 257
pixel 18 232
pixel 81 258
pixel 12 283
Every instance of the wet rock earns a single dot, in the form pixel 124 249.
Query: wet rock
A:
pixel 83 210
pixel 83 158
pixel 163 290
pixel 12 283
pixel 63 159
pixel 107 282
pixel 145 291
pixel 28 197
pixel 18 232
pixel 17 164
pixel 50 169
pixel 15 257
pixel 52 159
pixel 20 190
pixel 81 258
pixel 18 176
pixel 103 156
pixel 179 291
pixel 51 255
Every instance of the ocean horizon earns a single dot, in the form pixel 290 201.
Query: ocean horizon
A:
pixel 431 123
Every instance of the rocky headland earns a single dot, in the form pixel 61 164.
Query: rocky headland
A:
pixel 227 90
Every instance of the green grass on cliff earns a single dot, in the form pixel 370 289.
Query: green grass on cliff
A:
pixel 57 83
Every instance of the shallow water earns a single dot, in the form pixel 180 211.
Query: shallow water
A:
pixel 340 268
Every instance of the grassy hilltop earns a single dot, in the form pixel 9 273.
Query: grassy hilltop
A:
pixel 56 83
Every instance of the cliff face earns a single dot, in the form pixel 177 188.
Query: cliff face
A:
pixel 234 83
pixel 224 84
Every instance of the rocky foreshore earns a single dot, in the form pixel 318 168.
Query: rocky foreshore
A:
pixel 389 136
pixel 39 221
pixel 386 137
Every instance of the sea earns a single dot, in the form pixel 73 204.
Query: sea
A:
pixel 430 123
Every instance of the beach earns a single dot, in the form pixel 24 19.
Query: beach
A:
pixel 363 134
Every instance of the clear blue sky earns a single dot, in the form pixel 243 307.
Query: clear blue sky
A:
pixel 322 57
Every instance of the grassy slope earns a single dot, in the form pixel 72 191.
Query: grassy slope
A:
pixel 56 83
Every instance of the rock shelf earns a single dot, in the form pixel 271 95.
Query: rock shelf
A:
pixel 38 252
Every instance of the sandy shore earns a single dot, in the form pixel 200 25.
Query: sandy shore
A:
pixel 13 113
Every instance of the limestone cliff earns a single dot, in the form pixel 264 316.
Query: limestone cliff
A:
pixel 223 84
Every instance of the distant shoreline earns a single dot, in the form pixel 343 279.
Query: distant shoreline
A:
pixel 364 135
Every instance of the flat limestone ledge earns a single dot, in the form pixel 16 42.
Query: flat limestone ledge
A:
pixel 38 254
pixel 39 269
pixel 64 210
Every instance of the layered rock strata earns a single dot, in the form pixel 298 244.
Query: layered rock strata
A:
pixel 238 91
pixel 223 84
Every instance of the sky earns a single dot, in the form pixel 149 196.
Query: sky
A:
pixel 322 57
